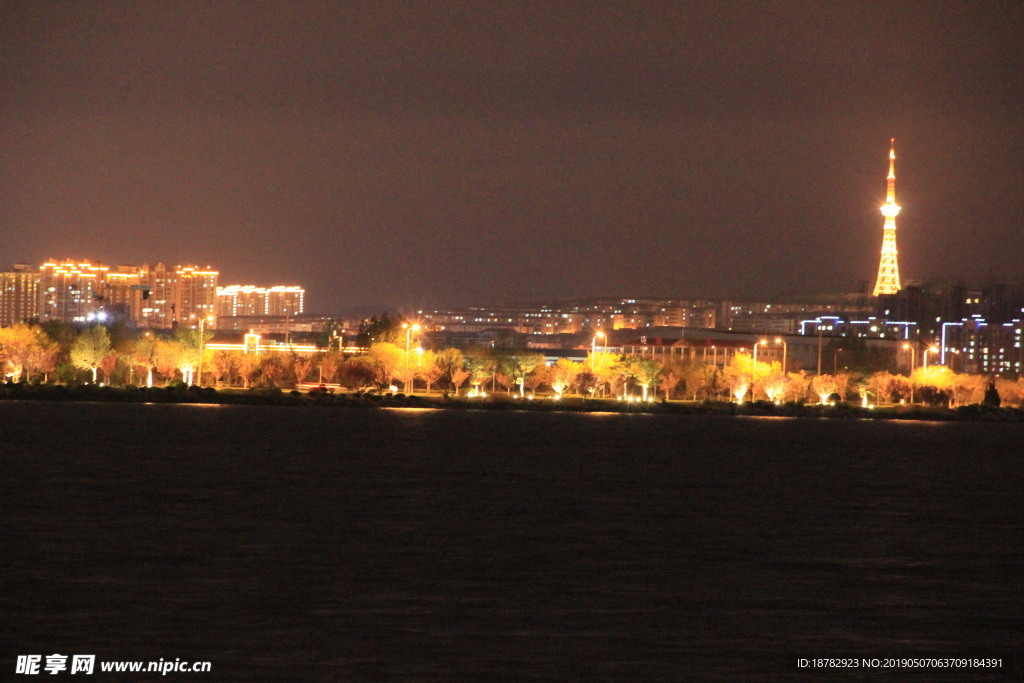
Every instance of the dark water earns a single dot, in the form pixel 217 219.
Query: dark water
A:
pixel 358 544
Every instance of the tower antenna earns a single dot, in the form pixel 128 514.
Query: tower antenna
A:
pixel 888 270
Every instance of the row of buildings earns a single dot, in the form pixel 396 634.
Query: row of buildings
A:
pixel 580 315
pixel 972 328
pixel 160 296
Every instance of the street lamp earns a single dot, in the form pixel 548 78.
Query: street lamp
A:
pixel 202 345
pixel 911 349
pixel 908 347
pixel 763 342
pixel 931 349
pixel 835 361
pixel 149 361
pixel 593 343
pixel 409 329
pixel 819 345
pixel 785 349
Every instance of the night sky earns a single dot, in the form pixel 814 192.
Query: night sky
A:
pixel 445 153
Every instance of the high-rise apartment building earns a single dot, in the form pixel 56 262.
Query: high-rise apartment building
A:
pixel 19 294
pixel 157 296
pixel 70 290
pixel 195 293
pixel 249 300
pixel 122 293
pixel 241 300
pixel 78 291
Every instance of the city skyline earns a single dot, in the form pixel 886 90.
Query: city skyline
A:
pixel 405 156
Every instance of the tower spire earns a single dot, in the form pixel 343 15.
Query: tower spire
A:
pixel 888 270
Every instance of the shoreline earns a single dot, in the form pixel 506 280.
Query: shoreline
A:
pixel 209 395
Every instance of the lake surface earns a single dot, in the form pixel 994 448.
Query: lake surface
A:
pixel 286 543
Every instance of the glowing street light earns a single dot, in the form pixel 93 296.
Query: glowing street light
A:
pixel 593 343
pixel 756 344
pixel 763 342
pixel 409 329
pixel 202 345
pixel 910 348
pixel 785 349
pixel 149 369
pixel 930 349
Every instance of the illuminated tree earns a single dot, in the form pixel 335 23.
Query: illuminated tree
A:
pixel 191 345
pixel 272 369
pixel 450 362
pixel 969 389
pixel 797 385
pixel 843 380
pixel 520 365
pixel 775 384
pixel 934 384
pixel 17 344
pixel 429 370
pixel 329 364
pixel 89 350
pixel 42 358
pixel 458 377
pixel 223 364
pixel 670 379
pixel 408 368
pixel 708 382
pixel 168 357
pixel 618 382
pixel 824 386
pixel 688 374
pixel 382 360
pixel 143 354
pixel 301 366
pixel 889 388
pixel 382 329
pixel 900 388
pixel 483 366
pixel 108 363
pixel 537 376
pixel 645 373
pixel 878 384
pixel 585 383
pixel 248 368
pixel 605 366
pixel 561 375
pixel 506 380
pixel 738 375
pixel 1010 392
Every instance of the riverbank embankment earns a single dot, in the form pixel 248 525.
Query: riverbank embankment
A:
pixel 181 394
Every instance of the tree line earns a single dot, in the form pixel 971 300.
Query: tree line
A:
pixel 115 355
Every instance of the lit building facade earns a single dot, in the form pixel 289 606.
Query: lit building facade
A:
pixel 19 294
pixel 250 300
pixel 195 294
pixel 157 297
pixel 144 296
pixel 121 293
pixel 975 345
pixel 70 291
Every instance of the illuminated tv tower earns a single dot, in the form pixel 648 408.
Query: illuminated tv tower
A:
pixel 888 271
